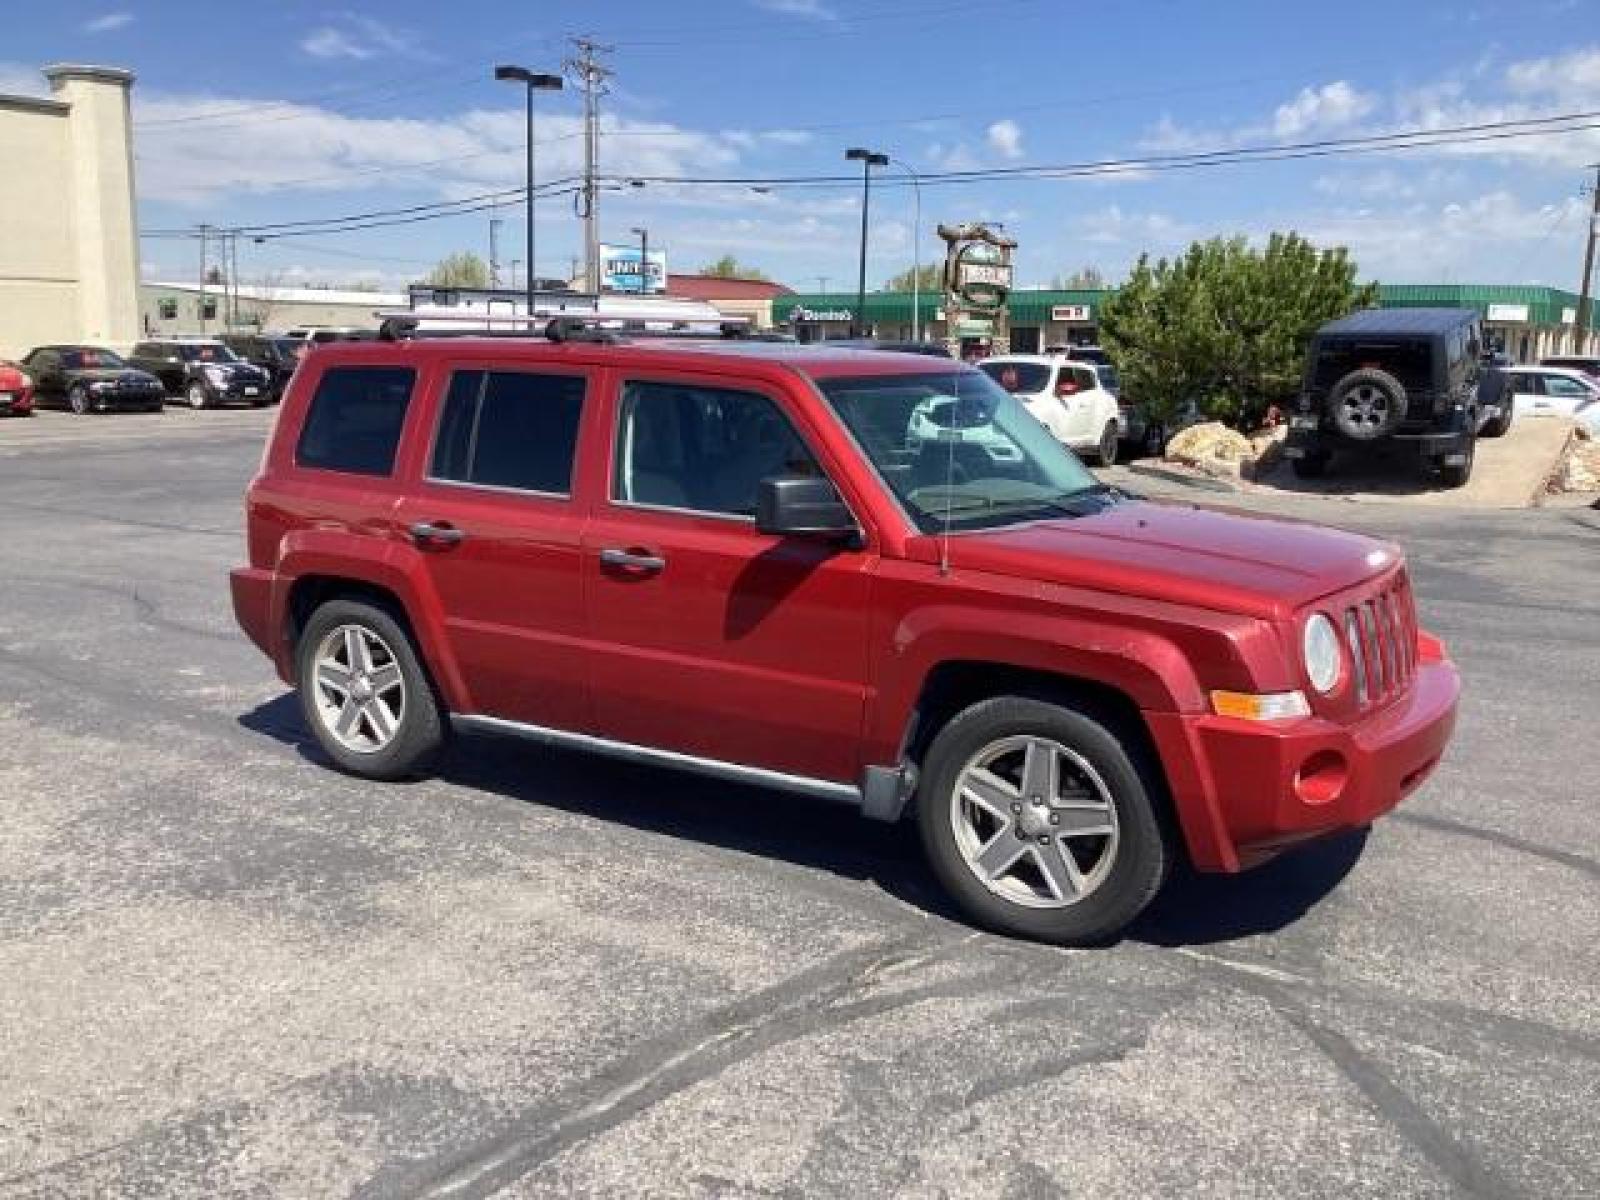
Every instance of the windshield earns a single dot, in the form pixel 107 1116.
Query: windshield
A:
pixel 91 360
pixel 958 451
pixel 1024 377
pixel 206 353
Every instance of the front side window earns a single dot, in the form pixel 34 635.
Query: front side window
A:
pixel 509 429
pixel 355 420
pixel 702 449
pixel 960 452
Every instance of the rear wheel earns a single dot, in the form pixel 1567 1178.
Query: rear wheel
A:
pixel 1456 475
pixel 1039 821
pixel 1499 426
pixel 1154 443
pixel 365 694
pixel 1106 451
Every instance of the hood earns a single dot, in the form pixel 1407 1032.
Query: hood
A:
pixel 1225 561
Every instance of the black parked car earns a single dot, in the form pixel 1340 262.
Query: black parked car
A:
pixel 275 354
pixel 90 379
pixel 203 372
pixel 1403 375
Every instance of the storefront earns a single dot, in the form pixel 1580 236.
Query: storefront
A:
pixel 1039 319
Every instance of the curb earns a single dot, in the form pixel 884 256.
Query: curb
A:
pixel 1204 484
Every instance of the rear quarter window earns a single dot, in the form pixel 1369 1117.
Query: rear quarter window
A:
pixel 355 419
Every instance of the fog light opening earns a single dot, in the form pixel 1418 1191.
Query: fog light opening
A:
pixel 1322 777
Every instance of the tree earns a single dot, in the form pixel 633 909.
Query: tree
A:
pixel 930 280
pixel 1225 325
pixel 1089 279
pixel 463 269
pixel 728 267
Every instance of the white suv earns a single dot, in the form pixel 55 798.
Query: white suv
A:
pixel 1065 396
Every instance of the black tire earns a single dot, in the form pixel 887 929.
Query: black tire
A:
pixel 1312 466
pixel 78 400
pixel 1143 853
pixel 196 395
pixel 1367 405
pixel 1457 476
pixel 1500 425
pixel 1106 452
pixel 1154 443
pixel 420 732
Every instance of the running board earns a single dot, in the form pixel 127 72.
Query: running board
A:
pixel 822 789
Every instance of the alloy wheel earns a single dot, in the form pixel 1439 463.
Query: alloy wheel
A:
pixel 1366 408
pixel 197 395
pixel 1034 822
pixel 359 690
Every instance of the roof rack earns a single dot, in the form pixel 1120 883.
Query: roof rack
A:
pixel 599 329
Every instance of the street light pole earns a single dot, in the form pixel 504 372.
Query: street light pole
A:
pixel 916 251
pixel 532 82
pixel 868 159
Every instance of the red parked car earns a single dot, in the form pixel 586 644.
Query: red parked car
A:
pixel 731 558
pixel 16 391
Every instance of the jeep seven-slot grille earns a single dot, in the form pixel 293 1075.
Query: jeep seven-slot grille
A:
pixel 1381 631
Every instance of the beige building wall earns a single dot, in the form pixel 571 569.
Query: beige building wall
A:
pixel 69 251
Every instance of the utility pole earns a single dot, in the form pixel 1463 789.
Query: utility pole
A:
pixel 204 229
pixel 233 279
pixel 1580 333
pixel 494 251
pixel 590 75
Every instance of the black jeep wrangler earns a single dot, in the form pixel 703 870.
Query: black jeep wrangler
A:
pixel 1407 375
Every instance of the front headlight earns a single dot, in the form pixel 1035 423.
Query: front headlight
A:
pixel 27 380
pixel 1323 658
pixel 101 385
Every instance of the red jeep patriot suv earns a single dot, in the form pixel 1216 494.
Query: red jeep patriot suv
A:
pixel 861 576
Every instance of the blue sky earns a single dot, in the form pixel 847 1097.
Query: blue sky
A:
pixel 286 111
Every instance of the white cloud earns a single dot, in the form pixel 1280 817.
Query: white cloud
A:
pixel 813 10
pixel 1005 138
pixel 1332 106
pixel 312 149
pixel 361 38
pixel 108 22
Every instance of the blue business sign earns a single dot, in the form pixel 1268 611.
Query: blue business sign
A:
pixel 620 270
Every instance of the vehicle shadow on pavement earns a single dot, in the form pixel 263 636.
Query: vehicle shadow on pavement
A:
pixel 1192 910
pixel 1196 909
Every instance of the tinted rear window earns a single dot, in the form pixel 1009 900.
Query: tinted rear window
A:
pixel 1018 377
pixel 1408 359
pixel 510 429
pixel 355 420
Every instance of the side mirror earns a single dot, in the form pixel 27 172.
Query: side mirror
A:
pixel 802 506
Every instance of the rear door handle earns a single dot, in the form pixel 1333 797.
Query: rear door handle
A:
pixel 440 535
pixel 632 560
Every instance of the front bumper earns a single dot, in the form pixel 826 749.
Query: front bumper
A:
pixel 16 403
pixel 1245 790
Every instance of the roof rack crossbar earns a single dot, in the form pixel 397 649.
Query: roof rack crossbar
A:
pixel 602 330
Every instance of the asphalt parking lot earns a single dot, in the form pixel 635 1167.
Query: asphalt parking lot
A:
pixel 226 970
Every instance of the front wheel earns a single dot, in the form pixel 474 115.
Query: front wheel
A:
pixel 1499 426
pixel 1456 475
pixel 196 395
pixel 1039 821
pixel 1106 451
pixel 365 694
pixel 78 400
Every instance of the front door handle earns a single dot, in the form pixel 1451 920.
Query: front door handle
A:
pixel 633 560
pixel 427 533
